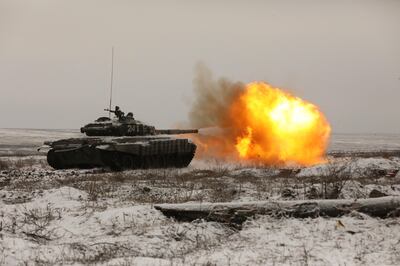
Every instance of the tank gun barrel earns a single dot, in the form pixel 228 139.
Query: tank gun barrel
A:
pixel 176 131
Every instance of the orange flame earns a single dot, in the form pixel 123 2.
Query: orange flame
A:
pixel 279 127
pixel 270 126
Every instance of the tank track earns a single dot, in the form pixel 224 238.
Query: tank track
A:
pixel 121 161
pixel 83 158
pixel 86 157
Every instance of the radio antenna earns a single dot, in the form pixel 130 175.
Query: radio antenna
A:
pixel 112 79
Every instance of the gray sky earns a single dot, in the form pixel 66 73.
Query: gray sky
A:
pixel 343 56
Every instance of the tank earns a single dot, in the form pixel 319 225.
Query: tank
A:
pixel 122 143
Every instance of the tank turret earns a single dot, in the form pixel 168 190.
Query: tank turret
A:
pixel 123 125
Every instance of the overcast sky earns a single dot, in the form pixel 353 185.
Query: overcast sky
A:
pixel 55 65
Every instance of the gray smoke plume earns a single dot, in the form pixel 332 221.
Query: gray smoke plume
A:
pixel 212 99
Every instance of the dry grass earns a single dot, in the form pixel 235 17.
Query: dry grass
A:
pixel 22 162
pixel 5 164
pixel 217 184
pixel 32 223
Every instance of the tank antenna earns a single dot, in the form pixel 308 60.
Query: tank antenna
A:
pixel 112 78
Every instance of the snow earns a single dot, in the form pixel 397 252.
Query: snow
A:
pixel 80 231
pixel 26 141
pixel 351 142
pixel 139 234
pixel 356 168
pixel 94 217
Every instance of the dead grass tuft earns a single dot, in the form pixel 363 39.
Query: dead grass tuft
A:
pixel 22 162
pixel 5 164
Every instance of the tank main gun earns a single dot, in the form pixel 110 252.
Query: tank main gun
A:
pixel 176 131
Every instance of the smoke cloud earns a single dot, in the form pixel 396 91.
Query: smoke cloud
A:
pixel 255 122
pixel 212 98
pixel 210 113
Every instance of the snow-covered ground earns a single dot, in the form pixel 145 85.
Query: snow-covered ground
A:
pixel 22 142
pixel 349 142
pixel 97 217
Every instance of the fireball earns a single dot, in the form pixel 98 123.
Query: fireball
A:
pixel 276 128
pixel 258 123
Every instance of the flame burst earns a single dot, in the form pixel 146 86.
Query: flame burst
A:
pixel 275 127
pixel 263 124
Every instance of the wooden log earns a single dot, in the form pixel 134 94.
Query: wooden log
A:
pixel 237 213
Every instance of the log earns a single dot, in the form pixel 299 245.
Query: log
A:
pixel 237 213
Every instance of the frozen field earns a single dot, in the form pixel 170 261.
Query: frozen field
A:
pixel 98 217
pixel 22 142
pixel 26 141
pixel 349 142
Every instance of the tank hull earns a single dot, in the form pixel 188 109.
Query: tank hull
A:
pixel 121 153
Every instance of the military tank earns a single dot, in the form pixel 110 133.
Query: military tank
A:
pixel 122 143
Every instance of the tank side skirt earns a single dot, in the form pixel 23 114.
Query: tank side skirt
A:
pixel 121 160
pixel 153 154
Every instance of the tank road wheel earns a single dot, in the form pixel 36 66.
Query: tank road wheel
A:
pixel 52 159
pixel 178 160
pixel 146 162
pixel 118 161
pixel 156 161
pixel 128 161
pixel 164 161
pixel 77 158
pixel 161 161
pixel 112 160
